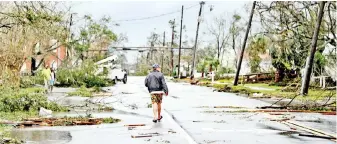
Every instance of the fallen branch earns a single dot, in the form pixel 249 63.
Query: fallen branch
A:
pixel 325 104
pixel 277 101
pixel 291 101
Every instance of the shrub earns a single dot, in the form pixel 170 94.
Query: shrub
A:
pixel 12 100
pixel 29 81
pixel 83 75
pixel 82 91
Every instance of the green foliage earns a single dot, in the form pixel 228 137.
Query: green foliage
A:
pixel 12 100
pixel 94 33
pixel 66 121
pixel 84 75
pixel 319 62
pixel 82 91
pixel 201 67
pixel 30 81
pixel 223 70
pixel 111 120
pixel 256 47
pixel 290 25
pixel 18 115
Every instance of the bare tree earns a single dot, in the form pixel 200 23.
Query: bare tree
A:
pixel 217 30
pixel 235 31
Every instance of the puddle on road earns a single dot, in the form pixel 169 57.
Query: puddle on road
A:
pixel 42 136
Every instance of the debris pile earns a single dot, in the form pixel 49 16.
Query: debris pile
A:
pixel 66 121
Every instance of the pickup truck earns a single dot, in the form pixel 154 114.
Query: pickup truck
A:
pixel 115 72
pixel 118 74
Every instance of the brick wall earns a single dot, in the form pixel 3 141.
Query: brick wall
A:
pixel 61 52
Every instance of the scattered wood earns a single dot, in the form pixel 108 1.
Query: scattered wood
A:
pixel 8 122
pixel 310 130
pixel 329 113
pixel 268 111
pixel 317 136
pixel 261 97
pixel 297 111
pixel 171 131
pixel 65 121
pixel 234 107
pixel 134 125
pixel 285 119
pixel 102 94
pixel 272 107
pixel 278 114
pixel 154 133
pixel 141 136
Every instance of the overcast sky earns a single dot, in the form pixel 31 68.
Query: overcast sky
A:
pixel 138 31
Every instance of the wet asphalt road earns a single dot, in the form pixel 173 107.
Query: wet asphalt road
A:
pixel 205 125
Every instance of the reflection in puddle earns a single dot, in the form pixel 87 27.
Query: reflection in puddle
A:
pixel 42 136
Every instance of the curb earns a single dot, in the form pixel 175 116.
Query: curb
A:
pixel 178 127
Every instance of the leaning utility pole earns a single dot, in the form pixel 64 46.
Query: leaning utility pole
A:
pixel 162 53
pixel 244 44
pixel 309 62
pixel 172 42
pixel 181 31
pixel 196 39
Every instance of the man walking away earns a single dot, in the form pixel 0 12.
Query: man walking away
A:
pixel 46 73
pixel 155 83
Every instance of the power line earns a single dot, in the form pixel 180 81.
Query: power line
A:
pixel 151 17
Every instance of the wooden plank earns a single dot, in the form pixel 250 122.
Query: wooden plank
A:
pixel 140 136
pixel 316 136
pixel 134 125
pixel 312 129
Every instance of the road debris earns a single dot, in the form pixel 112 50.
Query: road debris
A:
pixel 270 111
pixel 134 125
pixel 317 136
pixel 10 141
pixel 66 121
pixel 45 112
pixel 101 94
pixel 316 133
pixel 140 136
pixel 233 107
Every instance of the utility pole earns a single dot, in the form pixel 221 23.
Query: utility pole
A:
pixel 244 44
pixel 196 39
pixel 162 53
pixel 181 31
pixel 309 62
pixel 172 42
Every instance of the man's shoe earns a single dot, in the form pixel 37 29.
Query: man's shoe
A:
pixel 155 121
pixel 161 117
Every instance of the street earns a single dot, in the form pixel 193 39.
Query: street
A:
pixel 192 109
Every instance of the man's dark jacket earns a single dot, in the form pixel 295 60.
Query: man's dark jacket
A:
pixel 155 81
